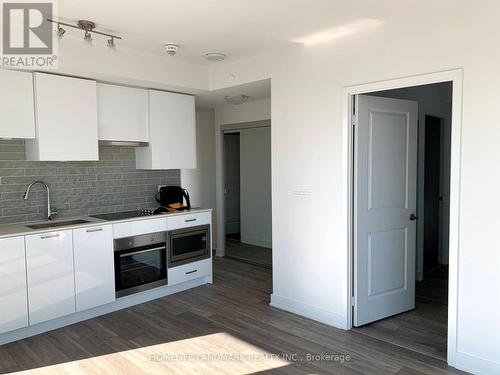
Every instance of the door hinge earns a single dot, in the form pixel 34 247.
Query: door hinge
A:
pixel 354 120
pixel 353 301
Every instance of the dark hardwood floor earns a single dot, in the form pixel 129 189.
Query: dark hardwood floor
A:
pixel 423 329
pixel 255 255
pixel 180 333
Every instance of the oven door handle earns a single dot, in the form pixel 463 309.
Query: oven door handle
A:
pixel 142 251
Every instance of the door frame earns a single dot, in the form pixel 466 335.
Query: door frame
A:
pixel 456 77
pixel 220 213
pixel 224 182
pixel 445 126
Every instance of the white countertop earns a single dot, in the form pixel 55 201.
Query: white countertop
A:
pixel 21 229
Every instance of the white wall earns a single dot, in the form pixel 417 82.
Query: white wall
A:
pixel 97 61
pixel 310 249
pixel 256 110
pixel 255 185
pixel 252 111
pixel 200 182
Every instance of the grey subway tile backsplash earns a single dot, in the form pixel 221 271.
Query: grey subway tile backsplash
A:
pixel 77 188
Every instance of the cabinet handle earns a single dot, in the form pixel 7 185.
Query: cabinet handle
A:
pixel 190 272
pixel 94 230
pixel 188 220
pixel 49 236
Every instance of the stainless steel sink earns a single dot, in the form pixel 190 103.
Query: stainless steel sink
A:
pixel 56 224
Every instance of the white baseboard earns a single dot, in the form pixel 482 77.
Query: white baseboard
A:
pixel 119 304
pixel 256 241
pixel 312 312
pixel 473 364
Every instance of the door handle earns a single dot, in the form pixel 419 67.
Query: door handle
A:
pixel 94 230
pixel 413 217
pixel 47 236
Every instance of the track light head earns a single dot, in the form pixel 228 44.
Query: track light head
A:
pixel 88 36
pixel 111 43
pixel 60 31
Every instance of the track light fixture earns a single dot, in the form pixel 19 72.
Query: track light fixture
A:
pixel 88 27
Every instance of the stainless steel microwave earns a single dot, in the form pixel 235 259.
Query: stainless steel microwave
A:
pixel 188 245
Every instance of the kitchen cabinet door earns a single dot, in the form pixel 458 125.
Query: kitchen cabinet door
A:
pixel 122 113
pixel 17 109
pixel 94 266
pixel 13 292
pixel 51 282
pixel 172 133
pixel 66 119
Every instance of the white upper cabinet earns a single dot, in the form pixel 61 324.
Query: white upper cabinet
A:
pixel 172 133
pixel 66 119
pixel 13 292
pixel 51 279
pixel 123 113
pixel 94 266
pixel 17 115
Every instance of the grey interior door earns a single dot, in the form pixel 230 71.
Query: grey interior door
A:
pixel 385 200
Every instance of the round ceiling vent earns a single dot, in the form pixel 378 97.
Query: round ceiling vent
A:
pixel 215 56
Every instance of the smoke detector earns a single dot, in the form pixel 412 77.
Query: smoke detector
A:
pixel 171 49
pixel 236 99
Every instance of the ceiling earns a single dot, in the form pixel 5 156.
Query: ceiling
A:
pixel 237 28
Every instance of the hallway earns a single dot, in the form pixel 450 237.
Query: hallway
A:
pixel 423 329
pixel 251 254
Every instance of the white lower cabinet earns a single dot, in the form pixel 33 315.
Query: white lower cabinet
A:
pixel 51 283
pixel 94 266
pixel 188 220
pixel 13 293
pixel 189 271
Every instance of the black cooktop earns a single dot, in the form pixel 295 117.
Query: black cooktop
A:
pixel 123 215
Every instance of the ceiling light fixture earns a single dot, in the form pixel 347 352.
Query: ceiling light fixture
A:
pixel 236 99
pixel 88 27
pixel 215 56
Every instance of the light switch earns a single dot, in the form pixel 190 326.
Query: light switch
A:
pixel 302 196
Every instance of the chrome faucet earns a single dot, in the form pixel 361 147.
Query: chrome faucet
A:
pixel 50 213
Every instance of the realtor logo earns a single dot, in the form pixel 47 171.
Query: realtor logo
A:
pixel 27 37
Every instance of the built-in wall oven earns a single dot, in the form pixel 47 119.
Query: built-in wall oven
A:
pixel 140 263
pixel 188 245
